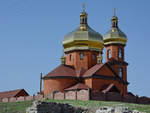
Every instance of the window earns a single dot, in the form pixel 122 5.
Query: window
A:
pixel 120 70
pixel 70 57
pixel 93 56
pixel 81 56
pixel 83 20
pixel 120 53
pixel 109 53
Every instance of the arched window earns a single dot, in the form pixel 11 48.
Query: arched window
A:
pixel 81 56
pixel 83 20
pixel 109 53
pixel 120 53
pixel 70 57
pixel 120 72
pixel 93 56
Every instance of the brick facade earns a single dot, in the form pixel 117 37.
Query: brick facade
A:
pixel 115 56
pixel 51 85
pixel 73 59
pixel 81 62
pixel 114 52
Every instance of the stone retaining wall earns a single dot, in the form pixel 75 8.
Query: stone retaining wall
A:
pixel 51 107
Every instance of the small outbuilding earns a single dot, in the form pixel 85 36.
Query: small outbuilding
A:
pixel 13 93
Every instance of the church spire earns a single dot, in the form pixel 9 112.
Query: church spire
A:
pixel 83 18
pixel 114 20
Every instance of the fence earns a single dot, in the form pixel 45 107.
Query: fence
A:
pixel 83 95
pixel 70 95
pixel 22 98
pixel 112 96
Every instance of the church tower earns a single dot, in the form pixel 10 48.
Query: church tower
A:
pixel 81 64
pixel 83 46
pixel 114 42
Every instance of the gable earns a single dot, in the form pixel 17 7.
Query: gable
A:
pixel 110 88
pixel 21 93
pixel 106 71
pixel 61 71
pixel 13 93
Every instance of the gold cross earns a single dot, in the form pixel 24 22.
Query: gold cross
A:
pixel 83 6
pixel 114 11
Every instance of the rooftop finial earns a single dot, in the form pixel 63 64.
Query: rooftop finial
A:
pixel 63 58
pixel 83 18
pixel 83 7
pixel 114 11
pixel 114 19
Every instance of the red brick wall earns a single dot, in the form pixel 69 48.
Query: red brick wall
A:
pixel 51 85
pixel 116 67
pixel 114 52
pixel 99 83
pixel 85 63
pixel 115 55
pixel 105 71
pixel 88 82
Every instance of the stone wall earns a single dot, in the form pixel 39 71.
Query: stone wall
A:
pixel 116 109
pixel 51 107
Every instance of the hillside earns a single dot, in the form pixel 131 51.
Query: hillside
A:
pixel 20 107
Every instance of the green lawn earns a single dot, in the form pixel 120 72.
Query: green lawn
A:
pixel 14 107
pixel 97 104
pixel 20 107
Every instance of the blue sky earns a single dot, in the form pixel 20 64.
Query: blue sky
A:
pixel 31 33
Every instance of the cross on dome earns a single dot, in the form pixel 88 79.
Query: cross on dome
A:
pixel 83 7
pixel 114 11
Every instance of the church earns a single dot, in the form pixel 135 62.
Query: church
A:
pixel 82 65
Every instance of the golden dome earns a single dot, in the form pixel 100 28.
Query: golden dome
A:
pixel 115 35
pixel 83 38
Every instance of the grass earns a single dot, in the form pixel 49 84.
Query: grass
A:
pixel 20 107
pixel 96 104
pixel 14 107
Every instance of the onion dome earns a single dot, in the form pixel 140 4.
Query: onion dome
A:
pixel 83 38
pixel 115 35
